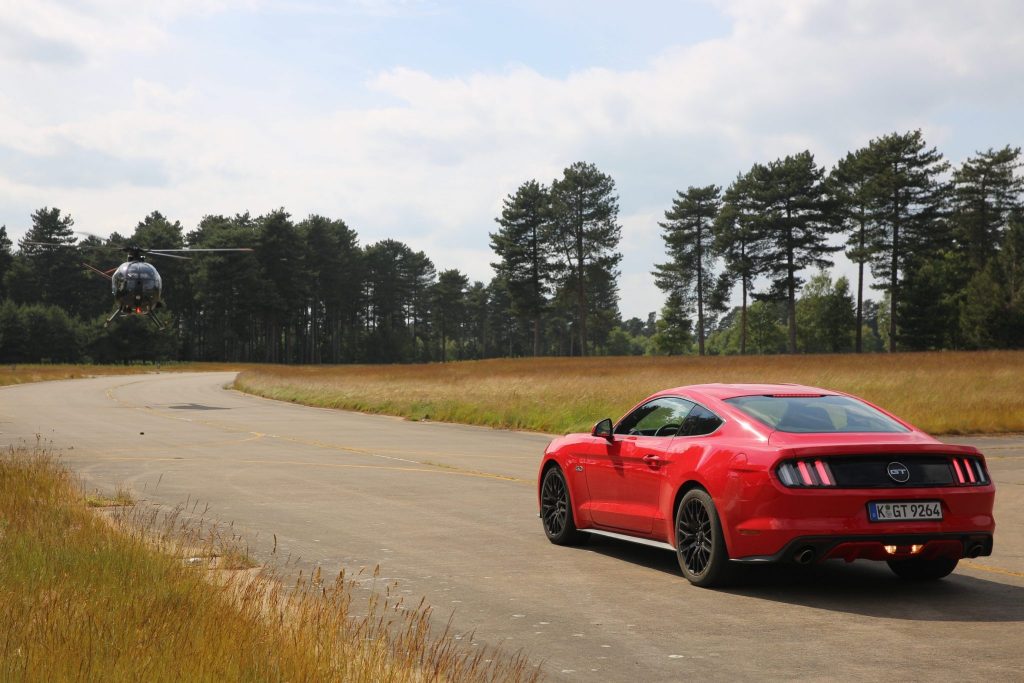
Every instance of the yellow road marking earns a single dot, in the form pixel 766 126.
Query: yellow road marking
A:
pixel 971 564
pixel 431 469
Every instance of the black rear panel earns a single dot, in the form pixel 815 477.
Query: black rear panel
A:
pixel 899 470
pixel 872 472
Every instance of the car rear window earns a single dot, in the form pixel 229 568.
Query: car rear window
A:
pixel 816 414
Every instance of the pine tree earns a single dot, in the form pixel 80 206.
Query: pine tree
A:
pixel 907 198
pixel 792 226
pixel 6 259
pixel 50 269
pixel 584 233
pixel 848 186
pixel 689 241
pixel 448 296
pixel 737 243
pixel 520 245
pixel 281 255
pixel 986 190
pixel 334 270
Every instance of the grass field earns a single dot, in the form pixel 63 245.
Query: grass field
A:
pixel 941 392
pixel 24 373
pixel 134 594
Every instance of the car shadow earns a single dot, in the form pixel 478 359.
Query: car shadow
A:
pixel 862 587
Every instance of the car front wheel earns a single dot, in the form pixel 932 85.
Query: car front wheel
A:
pixel 700 544
pixel 556 510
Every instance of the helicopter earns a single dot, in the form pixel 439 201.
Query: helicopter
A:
pixel 136 283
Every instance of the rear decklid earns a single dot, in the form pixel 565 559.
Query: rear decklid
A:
pixel 876 461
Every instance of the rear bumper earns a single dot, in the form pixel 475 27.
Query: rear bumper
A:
pixel 810 549
pixel 771 521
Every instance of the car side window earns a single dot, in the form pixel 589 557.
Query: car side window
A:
pixel 699 422
pixel 660 417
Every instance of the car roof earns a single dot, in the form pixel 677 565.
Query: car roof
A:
pixel 726 391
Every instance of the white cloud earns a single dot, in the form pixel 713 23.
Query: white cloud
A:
pixel 431 161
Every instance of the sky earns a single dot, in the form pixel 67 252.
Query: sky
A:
pixel 413 119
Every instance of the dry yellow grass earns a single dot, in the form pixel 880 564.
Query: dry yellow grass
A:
pixel 25 373
pixel 941 392
pixel 130 596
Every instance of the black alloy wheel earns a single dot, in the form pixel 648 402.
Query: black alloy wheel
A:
pixel 556 510
pixel 700 545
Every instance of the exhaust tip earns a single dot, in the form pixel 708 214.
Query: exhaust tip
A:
pixel 805 556
pixel 975 550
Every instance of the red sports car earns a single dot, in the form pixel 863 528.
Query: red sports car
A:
pixel 755 473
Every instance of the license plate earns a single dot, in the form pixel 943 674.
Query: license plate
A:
pixel 903 511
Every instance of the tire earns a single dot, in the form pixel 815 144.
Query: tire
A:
pixel 556 510
pixel 923 570
pixel 700 544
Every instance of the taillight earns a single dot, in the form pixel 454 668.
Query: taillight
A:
pixel 805 474
pixel 969 471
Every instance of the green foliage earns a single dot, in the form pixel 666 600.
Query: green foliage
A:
pixel 986 191
pixel 907 197
pixel 825 314
pixel 448 298
pixel 674 334
pixel 949 257
pixel 524 253
pixel 927 315
pixel 736 240
pixel 788 198
pixel 584 235
pixel 37 333
pixel 849 189
pixel 6 259
pixel 689 241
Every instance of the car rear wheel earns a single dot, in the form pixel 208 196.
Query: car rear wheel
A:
pixel 556 510
pixel 700 544
pixel 917 569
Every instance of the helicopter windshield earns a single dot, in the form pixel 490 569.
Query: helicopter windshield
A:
pixel 135 277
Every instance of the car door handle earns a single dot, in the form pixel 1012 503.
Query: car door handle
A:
pixel 653 460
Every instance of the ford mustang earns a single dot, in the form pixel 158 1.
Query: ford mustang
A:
pixel 725 474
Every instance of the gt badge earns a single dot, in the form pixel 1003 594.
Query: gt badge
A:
pixel 898 472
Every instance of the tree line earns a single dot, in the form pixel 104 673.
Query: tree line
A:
pixel 945 246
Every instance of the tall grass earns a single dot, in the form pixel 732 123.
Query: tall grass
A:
pixel 131 596
pixel 15 373
pixel 941 392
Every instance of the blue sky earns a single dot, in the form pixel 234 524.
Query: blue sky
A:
pixel 414 119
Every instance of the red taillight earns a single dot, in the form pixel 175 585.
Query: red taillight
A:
pixel 805 474
pixel 823 473
pixel 959 472
pixel 969 471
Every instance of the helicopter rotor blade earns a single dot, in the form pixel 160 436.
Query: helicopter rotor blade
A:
pixel 104 273
pixel 160 253
pixel 64 245
pixel 197 249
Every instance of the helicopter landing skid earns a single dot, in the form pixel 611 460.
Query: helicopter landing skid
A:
pixel 159 323
pixel 112 316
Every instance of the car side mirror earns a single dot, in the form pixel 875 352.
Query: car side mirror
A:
pixel 603 429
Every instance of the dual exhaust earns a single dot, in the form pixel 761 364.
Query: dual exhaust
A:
pixel 805 555
pixel 808 554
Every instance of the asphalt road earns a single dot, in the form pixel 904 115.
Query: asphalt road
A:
pixel 450 512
